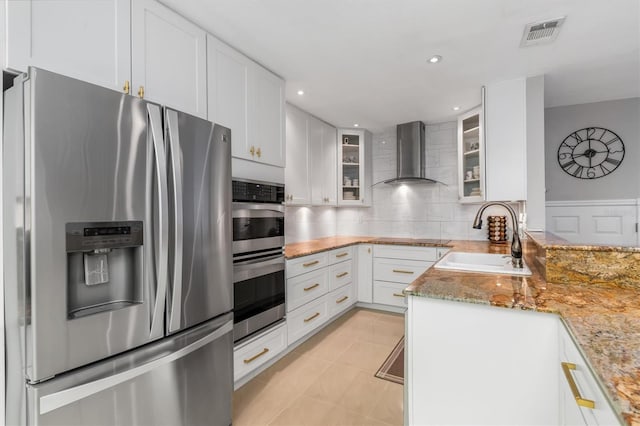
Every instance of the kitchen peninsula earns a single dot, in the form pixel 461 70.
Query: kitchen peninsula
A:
pixel 603 318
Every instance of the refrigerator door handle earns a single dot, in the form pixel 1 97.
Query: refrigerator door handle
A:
pixel 173 137
pixel 157 319
pixel 69 396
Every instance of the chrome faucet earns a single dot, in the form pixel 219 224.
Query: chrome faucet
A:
pixel 516 246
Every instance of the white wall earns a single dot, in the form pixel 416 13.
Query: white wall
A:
pixel 620 116
pixel 417 211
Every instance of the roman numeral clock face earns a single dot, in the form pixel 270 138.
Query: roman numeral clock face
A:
pixel 590 153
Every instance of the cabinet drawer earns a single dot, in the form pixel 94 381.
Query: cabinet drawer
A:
pixel 306 319
pixel 254 353
pixel 306 287
pixel 426 254
pixel 304 264
pixel 341 254
pixel 398 271
pixel 389 293
pixel 585 381
pixel 340 274
pixel 340 299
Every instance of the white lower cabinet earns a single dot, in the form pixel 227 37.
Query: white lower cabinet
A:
pixel 395 267
pixel 582 402
pixel 306 319
pixel 387 293
pixel 365 273
pixel 306 287
pixel 252 354
pixel 477 364
pixel 339 300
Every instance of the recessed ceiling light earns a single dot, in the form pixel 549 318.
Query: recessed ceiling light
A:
pixel 356 125
pixel 300 92
pixel 456 108
pixel 435 59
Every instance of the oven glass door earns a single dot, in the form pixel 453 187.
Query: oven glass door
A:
pixel 257 227
pixel 258 287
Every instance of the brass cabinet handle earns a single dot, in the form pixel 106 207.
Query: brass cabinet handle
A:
pixel 342 254
pixel 342 275
pixel 312 317
pixel 127 87
pixel 141 92
pixel 252 151
pixel 258 152
pixel 398 295
pixel 566 368
pixel 312 287
pixel 306 265
pixel 402 271
pixel 369 250
pixel 342 299
pixel 253 358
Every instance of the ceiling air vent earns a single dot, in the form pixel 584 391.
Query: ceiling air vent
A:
pixel 541 32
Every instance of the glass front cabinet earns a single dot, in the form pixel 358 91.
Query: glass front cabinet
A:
pixel 354 167
pixel 471 152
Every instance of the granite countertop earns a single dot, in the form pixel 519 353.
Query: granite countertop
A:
pixel 548 240
pixel 603 318
pixel 305 248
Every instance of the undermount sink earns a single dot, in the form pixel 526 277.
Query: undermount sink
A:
pixel 481 262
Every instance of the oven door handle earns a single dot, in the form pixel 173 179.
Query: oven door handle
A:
pixel 254 269
pixel 256 206
pixel 276 259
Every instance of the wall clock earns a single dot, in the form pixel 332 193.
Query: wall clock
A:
pixel 591 153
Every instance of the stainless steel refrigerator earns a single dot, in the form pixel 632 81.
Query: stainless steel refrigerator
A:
pixel 116 216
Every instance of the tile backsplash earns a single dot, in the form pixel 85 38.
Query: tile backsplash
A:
pixel 416 211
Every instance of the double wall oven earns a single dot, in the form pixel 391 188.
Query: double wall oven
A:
pixel 258 256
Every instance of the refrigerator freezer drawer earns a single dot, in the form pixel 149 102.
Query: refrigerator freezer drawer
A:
pixel 183 380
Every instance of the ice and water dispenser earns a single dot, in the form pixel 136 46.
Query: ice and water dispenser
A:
pixel 104 266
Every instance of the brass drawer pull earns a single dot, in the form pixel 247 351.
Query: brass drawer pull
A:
pixel 306 265
pixel 398 295
pixel 566 368
pixel 311 287
pixel 342 299
pixel 342 254
pixel 312 317
pixel 253 358
pixel 402 271
pixel 342 275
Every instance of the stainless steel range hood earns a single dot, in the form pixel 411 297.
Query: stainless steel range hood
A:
pixel 411 160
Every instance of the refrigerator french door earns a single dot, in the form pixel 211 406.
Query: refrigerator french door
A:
pixel 116 233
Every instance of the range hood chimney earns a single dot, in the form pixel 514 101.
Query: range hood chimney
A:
pixel 411 159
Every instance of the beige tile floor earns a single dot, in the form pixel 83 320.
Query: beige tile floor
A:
pixel 329 379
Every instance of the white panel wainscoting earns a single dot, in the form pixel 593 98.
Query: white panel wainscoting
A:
pixel 610 222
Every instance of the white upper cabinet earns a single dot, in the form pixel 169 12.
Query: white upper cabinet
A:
pixel 322 162
pixel 227 85
pixel 169 56
pixel 506 141
pixel 354 167
pixel 265 117
pixel 88 40
pixel 471 160
pixel 296 173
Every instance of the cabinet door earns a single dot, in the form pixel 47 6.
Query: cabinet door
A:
pixel 365 273
pixel 471 159
pixel 316 163
pixel 506 150
pixel 88 40
pixel 296 173
pixel 266 116
pixel 351 167
pixel 329 161
pixel 169 58
pixel 227 86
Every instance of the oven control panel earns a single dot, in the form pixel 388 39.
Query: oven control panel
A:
pixel 257 192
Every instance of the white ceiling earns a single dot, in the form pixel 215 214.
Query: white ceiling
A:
pixel 364 61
